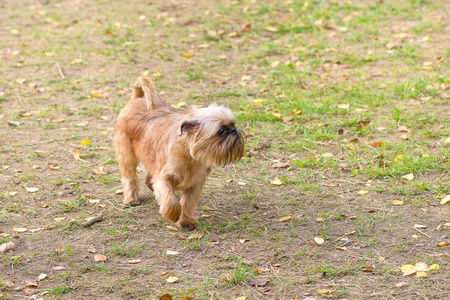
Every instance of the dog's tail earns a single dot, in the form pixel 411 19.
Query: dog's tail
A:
pixel 145 88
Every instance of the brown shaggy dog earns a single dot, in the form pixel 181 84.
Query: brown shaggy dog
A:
pixel 176 150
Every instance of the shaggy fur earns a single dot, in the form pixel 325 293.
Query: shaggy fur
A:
pixel 176 150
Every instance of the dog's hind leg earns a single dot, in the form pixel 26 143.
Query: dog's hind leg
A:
pixel 127 164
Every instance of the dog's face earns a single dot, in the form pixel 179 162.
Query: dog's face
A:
pixel 213 137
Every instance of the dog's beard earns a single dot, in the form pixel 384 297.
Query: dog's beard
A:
pixel 217 150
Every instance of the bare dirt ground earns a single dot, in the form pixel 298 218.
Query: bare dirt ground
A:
pixel 341 192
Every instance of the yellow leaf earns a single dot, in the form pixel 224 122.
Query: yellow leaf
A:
pixel 187 54
pixel 85 142
pixel 434 267
pixel 172 279
pixel 181 104
pixel 241 298
pixel 276 182
pixel 443 244
pixel 446 200
pixel 325 291
pixel 94 96
pixel 170 252
pixel 284 219
pixel 104 118
pixel 145 73
pixel 421 274
pixel 58 120
pixel 76 155
pixel 341 248
pixel 20 80
pixel 406 267
pixel 277 115
pixel 362 192
pixel 409 176
pixel 59 219
pixel 12 193
pixel 447 141
pixel 397 202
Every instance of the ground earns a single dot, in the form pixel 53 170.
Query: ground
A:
pixel 345 106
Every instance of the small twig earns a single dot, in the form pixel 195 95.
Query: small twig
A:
pixel 93 220
pixel 422 232
pixel 60 71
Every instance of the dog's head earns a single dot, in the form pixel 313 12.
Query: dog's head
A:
pixel 212 135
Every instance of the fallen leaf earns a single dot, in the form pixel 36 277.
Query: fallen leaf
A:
pixel 443 244
pixel 341 248
pixel 173 228
pixel 434 267
pixel 170 252
pixel 20 80
pixel 286 119
pixel 6 246
pixel 326 292
pixel 403 129
pixel 187 54
pixel 165 297
pixel 32 190
pixel 401 284
pixel 41 277
pixel 409 176
pixel 397 202
pixel 133 261
pixel 76 154
pixel 259 282
pixel 418 226
pixel 271 29
pixel 14 123
pixel 246 27
pixel 319 240
pixel 100 258
pixel 280 165
pixel 52 167
pixel 196 236
pixel 172 279
pixel 85 142
pixel 445 200
pixel 19 229
pixel 31 284
pixel 276 182
pixel 275 114
pixel 243 240
pixel 285 218
pixel 421 267
pixel 376 144
pixel 362 192
pixel 59 219
pixel 58 120
pixel 421 274
pixel 343 106
pixel 119 191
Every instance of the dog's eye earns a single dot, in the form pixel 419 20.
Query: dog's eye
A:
pixel 221 132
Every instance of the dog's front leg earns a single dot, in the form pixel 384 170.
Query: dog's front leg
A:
pixel 169 208
pixel 189 200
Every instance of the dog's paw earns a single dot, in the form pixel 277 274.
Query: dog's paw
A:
pixel 131 201
pixel 172 212
pixel 188 224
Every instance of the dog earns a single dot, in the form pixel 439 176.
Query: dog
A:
pixel 176 150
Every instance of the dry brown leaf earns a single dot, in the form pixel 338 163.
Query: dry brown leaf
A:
pixel 6 246
pixel 280 165
pixel 100 258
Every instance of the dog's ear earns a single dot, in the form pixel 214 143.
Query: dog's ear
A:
pixel 188 125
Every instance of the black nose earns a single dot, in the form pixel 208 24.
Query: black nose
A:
pixel 233 131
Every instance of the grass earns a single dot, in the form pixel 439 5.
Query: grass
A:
pixel 351 96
